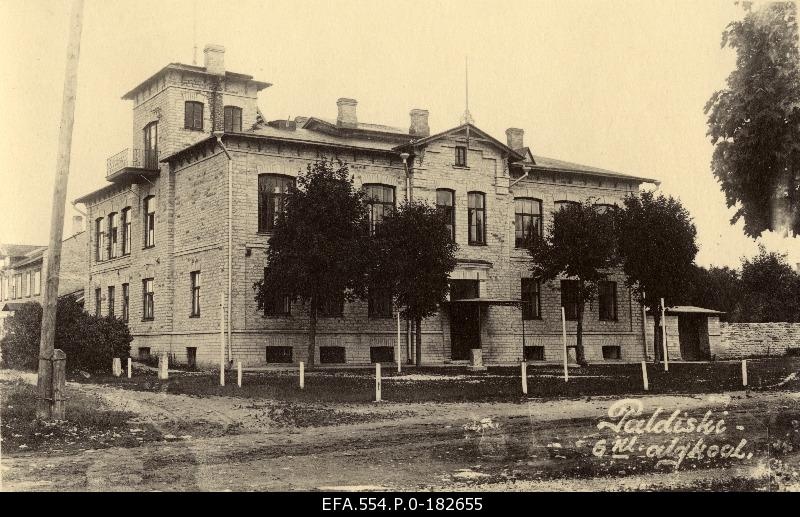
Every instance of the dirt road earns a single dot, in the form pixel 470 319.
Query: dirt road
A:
pixel 222 443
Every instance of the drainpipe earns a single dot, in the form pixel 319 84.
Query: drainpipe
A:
pixel 409 333
pixel 218 135
pixel 404 157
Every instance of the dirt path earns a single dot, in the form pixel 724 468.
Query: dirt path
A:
pixel 424 446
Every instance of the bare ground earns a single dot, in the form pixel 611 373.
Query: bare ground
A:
pixel 230 443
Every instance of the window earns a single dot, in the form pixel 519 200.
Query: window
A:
pixel 279 354
pixel 233 119
pixel 13 287
pixel 534 353
pixel 569 299
pixel 37 282
pixel 272 190
pixel 332 307
pixel 277 304
pixel 149 206
pixel 531 299
pixel 191 357
pixel 611 352
pixel 112 235
pixel 18 286
pixel 193 115
pixel 379 303
pixel 27 284
pixel 126 230
pixel 476 214
pixel 380 203
pixel 461 156
pixel 125 301
pixel 195 278
pixel 331 354
pixel 98 302
pixel 527 220
pixel 99 239
pixel 151 145
pixel 607 295
pixel 445 202
pixel 381 354
pixel 147 299
pixel 111 300
pixel 144 353
pixel 604 208
pixel 563 203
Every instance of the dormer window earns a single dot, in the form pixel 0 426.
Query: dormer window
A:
pixel 233 119
pixel 193 116
pixel 461 156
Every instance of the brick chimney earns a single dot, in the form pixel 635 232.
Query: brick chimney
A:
pixel 419 123
pixel 515 137
pixel 347 112
pixel 77 224
pixel 215 59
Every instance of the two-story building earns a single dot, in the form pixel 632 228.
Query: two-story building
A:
pixel 189 208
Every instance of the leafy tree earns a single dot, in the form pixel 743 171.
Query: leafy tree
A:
pixel 413 257
pixel 770 289
pixel 89 342
pixel 317 251
pixel 754 123
pixel 717 288
pixel 578 244
pixel 656 243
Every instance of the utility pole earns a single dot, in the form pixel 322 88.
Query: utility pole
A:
pixel 44 407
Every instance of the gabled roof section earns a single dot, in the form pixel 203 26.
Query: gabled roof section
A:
pixel 473 130
pixel 196 69
pixel 552 164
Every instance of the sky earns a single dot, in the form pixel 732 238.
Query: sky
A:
pixel 618 84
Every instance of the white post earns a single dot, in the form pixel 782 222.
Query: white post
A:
pixel 564 340
pixel 399 368
pixel 163 366
pixel 377 382
pixel 116 366
pixel 302 375
pixel 222 339
pixel 644 375
pixel 744 372
pixel 664 334
pixel 524 368
pixel 129 367
pixel 239 374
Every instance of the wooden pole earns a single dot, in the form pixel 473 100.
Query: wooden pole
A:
pixel 116 366
pixel 664 334
pixel 399 362
pixel 564 340
pixel 302 375
pixel 377 382
pixel 524 367
pixel 129 367
pixel 163 366
pixel 222 339
pixel 45 403
pixel 744 372
pixel 59 383
pixel 644 376
pixel 239 374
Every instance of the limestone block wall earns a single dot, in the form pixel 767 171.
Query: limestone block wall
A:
pixel 740 340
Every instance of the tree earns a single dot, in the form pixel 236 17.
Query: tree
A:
pixel 317 250
pixel 770 289
pixel 578 244
pixel 414 255
pixel 754 123
pixel 656 244
pixel 717 288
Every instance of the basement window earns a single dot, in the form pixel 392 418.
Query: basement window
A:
pixel 612 353
pixel 331 354
pixel 534 353
pixel 144 353
pixel 381 354
pixel 279 354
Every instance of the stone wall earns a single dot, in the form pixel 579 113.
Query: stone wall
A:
pixel 739 340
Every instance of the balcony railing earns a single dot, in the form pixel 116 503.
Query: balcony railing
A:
pixel 146 159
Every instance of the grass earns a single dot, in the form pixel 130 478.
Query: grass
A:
pixel 499 384
pixel 89 424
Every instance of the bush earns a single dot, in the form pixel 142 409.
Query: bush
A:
pixel 90 342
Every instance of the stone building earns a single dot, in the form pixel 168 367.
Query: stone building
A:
pixel 189 209
pixel 23 268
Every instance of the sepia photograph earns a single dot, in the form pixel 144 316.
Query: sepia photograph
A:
pixel 419 255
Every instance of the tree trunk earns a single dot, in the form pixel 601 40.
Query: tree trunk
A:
pixel 657 349
pixel 579 355
pixel 312 332
pixel 418 323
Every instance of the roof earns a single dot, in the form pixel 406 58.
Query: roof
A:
pixel 13 306
pixel 690 309
pixel 463 127
pixel 18 250
pixel 102 190
pixel 545 163
pixel 363 126
pixel 196 69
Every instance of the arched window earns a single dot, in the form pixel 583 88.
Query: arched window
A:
pixel 476 215
pixel 272 190
pixel 446 202
pixel 193 115
pixel 604 208
pixel 564 203
pixel 527 219
pixel 380 202
pixel 233 119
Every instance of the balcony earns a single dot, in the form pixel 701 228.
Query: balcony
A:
pixel 132 162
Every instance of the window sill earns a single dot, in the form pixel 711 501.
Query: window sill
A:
pixel 194 316
pixel 148 319
pixel 201 130
pixel 465 167
pixel 275 316
pixel 381 317
pixel 148 247
pixel 330 317
pixel 537 318
pixel 477 244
